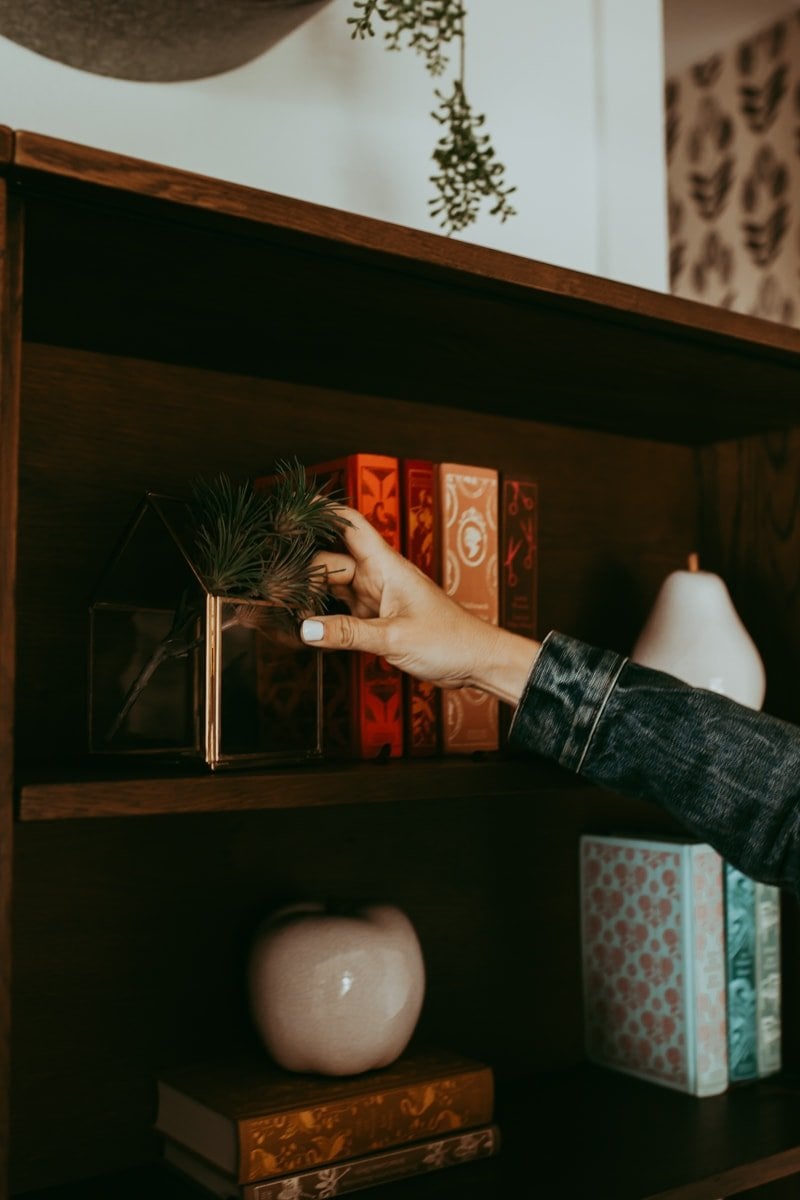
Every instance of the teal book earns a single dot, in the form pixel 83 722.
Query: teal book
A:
pixel 753 976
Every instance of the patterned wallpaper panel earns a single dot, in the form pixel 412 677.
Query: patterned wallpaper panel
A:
pixel 733 152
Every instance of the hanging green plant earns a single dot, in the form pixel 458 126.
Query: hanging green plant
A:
pixel 469 172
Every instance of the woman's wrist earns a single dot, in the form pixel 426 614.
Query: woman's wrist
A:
pixel 506 663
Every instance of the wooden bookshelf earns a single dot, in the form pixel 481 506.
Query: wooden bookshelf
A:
pixel 157 325
pixel 364 783
pixel 728 1146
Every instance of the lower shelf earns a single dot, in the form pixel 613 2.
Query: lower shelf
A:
pixel 585 1132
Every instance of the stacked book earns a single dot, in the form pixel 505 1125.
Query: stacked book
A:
pixel 681 964
pixel 473 529
pixel 247 1130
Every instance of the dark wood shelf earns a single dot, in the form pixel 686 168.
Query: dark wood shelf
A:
pixel 252 273
pixel 158 326
pixel 92 795
pixel 627 1140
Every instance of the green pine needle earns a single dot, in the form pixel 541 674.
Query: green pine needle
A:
pixel 300 508
pixel 232 525
pixel 261 544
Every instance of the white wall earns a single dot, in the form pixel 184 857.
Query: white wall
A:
pixel 345 123
pixel 631 152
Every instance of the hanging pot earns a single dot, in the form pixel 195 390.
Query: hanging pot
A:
pixel 156 40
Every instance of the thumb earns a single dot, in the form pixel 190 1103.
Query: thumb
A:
pixel 345 633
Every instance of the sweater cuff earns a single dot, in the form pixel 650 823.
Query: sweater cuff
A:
pixel 563 699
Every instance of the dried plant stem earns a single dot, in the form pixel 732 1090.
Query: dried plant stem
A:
pixel 166 650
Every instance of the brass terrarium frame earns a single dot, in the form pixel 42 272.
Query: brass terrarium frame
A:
pixel 179 672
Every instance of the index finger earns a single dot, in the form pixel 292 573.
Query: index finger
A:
pixel 360 538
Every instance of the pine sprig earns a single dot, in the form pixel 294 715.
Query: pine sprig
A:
pixel 289 580
pixel 298 506
pixel 261 545
pixel 232 525
pixel 469 173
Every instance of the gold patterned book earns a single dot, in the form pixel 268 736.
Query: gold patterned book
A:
pixel 255 1121
pixel 351 1175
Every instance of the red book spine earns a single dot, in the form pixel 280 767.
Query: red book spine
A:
pixel 519 555
pixel 519 561
pixel 467 508
pixel 363 694
pixel 422 700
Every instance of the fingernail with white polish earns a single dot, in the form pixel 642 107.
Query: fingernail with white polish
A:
pixel 312 631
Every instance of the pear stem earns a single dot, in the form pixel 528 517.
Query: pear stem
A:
pixel 693 561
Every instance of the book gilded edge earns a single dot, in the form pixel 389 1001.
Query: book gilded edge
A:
pixel 261 1122
pixel 348 1176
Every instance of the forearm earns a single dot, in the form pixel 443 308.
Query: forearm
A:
pixel 504 664
pixel 729 774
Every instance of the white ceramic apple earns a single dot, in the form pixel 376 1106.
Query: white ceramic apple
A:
pixel 336 993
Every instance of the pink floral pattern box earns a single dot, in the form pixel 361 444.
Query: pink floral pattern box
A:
pixel 653 948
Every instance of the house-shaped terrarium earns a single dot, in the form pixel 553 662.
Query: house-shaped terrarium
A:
pixel 188 659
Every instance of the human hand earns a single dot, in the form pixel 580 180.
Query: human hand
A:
pixel 397 612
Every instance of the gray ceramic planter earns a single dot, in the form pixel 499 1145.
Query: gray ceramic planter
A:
pixel 157 40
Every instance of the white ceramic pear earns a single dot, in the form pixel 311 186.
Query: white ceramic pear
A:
pixel 695 633
pixel 335 993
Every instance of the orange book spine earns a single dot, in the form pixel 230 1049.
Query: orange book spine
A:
pixel 467 508
pixel 340 1129
pixel 363 694
pixel 422 700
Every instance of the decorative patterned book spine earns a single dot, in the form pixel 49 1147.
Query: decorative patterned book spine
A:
pixel 255 1121
pixel 768 978
pixel 519 554
pixel 752 950
pixel 422 700
pixel 363 694
pixel 653 948
pixel 369 1170
pixel 327 1133
pixel 467 512
pixel 740 970
pixel 298 1125
pixel 519 562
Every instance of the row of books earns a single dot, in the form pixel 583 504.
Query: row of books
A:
pixel 246 1130
pixel 474 530
pixel 681 964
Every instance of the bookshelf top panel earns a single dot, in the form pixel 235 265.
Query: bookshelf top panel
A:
pixel 178 267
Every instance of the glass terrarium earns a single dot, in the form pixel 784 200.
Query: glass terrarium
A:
pixel 179 672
